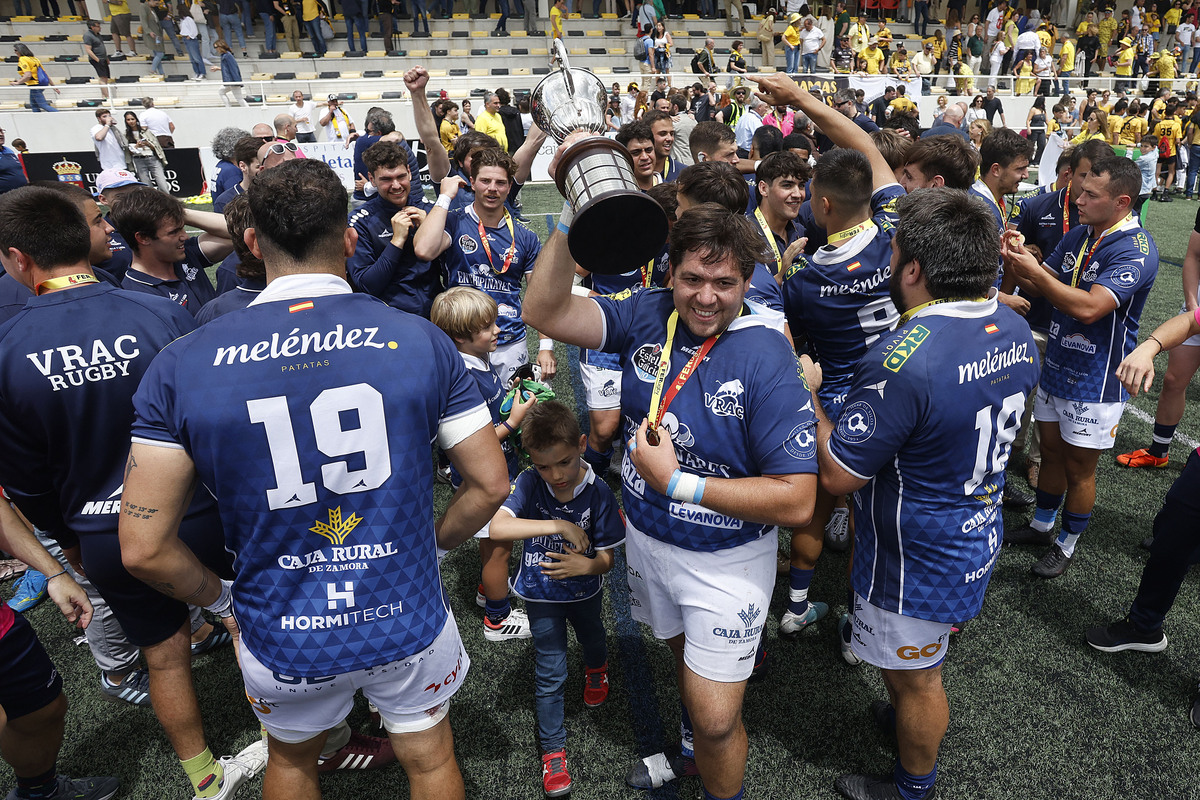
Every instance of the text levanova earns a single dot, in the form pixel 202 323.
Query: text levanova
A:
pixel 296 344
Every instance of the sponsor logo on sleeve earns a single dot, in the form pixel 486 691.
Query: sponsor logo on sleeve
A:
pixel 1127 277
pixel 896 356
pixel 801 443
pixel 857 422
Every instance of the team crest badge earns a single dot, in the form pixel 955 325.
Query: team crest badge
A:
pixel 69 172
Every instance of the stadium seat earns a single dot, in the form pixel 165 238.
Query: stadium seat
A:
pixel 262 76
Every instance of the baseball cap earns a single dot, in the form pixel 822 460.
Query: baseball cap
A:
pixel 332 97
pixel 115 178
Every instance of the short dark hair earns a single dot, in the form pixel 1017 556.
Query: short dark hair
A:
pixel 715 233
pixel 493 157
pixel 706 137
pixel 71 190
pixel 1003 147
pixel 387 155
pixel 246 150
pixel 906 121
pixel 767 140
pixel 784 164
pixel 948 155
pixel 952 234
pixel 381 120
pixel 100 112
pixel 503 96
pixel 470 142
pixel 652 116
pixel 679 101
pixel 638 129
pixel 27 213
pixel 664 193
pixel 143 210
pixel 549 423
pixel 795 140
pixel 1124 177
pixel 715 182
pixel 844 176
pixel 299 208
pixel 237 219
pixel 1093 150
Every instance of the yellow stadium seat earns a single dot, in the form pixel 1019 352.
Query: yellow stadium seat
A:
pixel 262 76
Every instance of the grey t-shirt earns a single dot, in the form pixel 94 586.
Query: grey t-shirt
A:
pixel 96 43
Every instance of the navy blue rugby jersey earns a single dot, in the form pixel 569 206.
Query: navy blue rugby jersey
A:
pixel 393 274
pixel 318 455
pixel 191 287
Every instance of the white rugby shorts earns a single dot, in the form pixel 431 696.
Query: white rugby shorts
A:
pixel 717 600
pixel 412 694
pixel 508 358
pixel 601 387
pixel 1088 425
pixel 893 641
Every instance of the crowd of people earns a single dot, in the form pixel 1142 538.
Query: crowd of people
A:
pixel 850 333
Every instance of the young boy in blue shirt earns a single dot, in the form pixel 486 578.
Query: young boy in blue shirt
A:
pixel 468 316
pixel 569 523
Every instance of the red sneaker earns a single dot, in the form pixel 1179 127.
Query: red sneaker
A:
pixel 1141 458
pixel 595 686
pixel 556 781
pixel 361 752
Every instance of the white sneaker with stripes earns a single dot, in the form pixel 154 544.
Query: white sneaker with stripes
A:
pixel 514 626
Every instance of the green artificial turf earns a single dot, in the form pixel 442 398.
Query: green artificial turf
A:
pixel 1035 712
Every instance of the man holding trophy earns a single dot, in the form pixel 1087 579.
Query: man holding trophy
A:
pixel 718 455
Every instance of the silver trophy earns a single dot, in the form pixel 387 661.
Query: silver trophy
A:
pixel 617 226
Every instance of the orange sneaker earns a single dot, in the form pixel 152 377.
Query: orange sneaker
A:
pixel 1141 458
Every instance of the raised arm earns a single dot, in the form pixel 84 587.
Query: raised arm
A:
pixel 214 237
pixel 416 79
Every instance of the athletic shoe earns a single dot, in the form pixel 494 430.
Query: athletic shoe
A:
pixel 361 752
pixel 30 590
pixel 556 781
pixel 844 634
pixel 837 531
pixel 1141 458
pixel 443 475
pixel 595 686
pixel 1016 497
pixel 217 637
pixel 791 624
pixel 1053 564
pixel 241 768
pixel 654 771
pixel 133 689
pixel 1027 534
pixel 81 788
pixel 1123 635
pixel 884 716
pixel 871 787
pixel 514 626
pixel 480 597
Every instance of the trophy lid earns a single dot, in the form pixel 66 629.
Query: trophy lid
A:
pixel 568 99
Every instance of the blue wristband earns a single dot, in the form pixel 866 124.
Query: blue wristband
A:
pixel 563 228
pixel 699 495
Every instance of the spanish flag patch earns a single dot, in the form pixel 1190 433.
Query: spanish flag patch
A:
pixel 854 266
pixel 990 328
pixel 305 306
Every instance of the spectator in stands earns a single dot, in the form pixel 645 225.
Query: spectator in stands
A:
pixel 152 35
pixel 12 169
pixel 231 21
pixel 490 122
pixel 158 123
pixel 749 122
pixel 766 38
pixel 302 112
pixel 97 54
pixel 355 14
pixel 147 155
pixel 811 42
pixel 311 14
pixel 231 76
pixel 514 130
pixel 705 61
pixel 121 17
pixel 284 14
pixel 30 68
pixel 791 44
pixel 110 150
pixel 190 33
pixel 557 12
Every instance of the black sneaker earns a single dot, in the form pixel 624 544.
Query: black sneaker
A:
pixel 872 787
pixel 1053 564
pixel 1016 497
pixel 82 788
pixel 1027 534
pixel 1122 635
pixel 661 768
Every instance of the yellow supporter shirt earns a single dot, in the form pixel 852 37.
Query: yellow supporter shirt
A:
pixel 902 103
pixel 1172 130
pixel 1082 29
pixel 791 35
pixel 872 59
pixel 120 7
pixel 1108 28
pixel 1125 62
pixel 493 126
pixel 1173 16
pixel 449 134
pixel 29 64
pixel 899 64
pixel 939 47
pixel 1046 39
pixel 1066 57
pixel 1131 130
pixel 556 20
pixel 1165 62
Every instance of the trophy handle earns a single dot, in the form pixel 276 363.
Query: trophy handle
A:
pixel 559 51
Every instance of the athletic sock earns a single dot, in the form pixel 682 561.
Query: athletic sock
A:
pixel 498 610
pixel 205 773
pixel 39 787
pixel 1073 526
pixel 598 461
pixel 914 787
pixel 800 580
pixel 687 747
pixel 1162 440
pixel 710 796
pixel 1046 511
pixel 338 736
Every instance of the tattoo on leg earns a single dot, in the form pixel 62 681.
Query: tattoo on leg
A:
pixel 199 589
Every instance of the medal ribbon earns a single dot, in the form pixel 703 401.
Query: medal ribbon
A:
pixel 658 403
pixel 1067 210
pixel 512 248
pixel 766 229
pixel 907 315
pixel 1081 260
pixel 64 281
pixel 850 233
